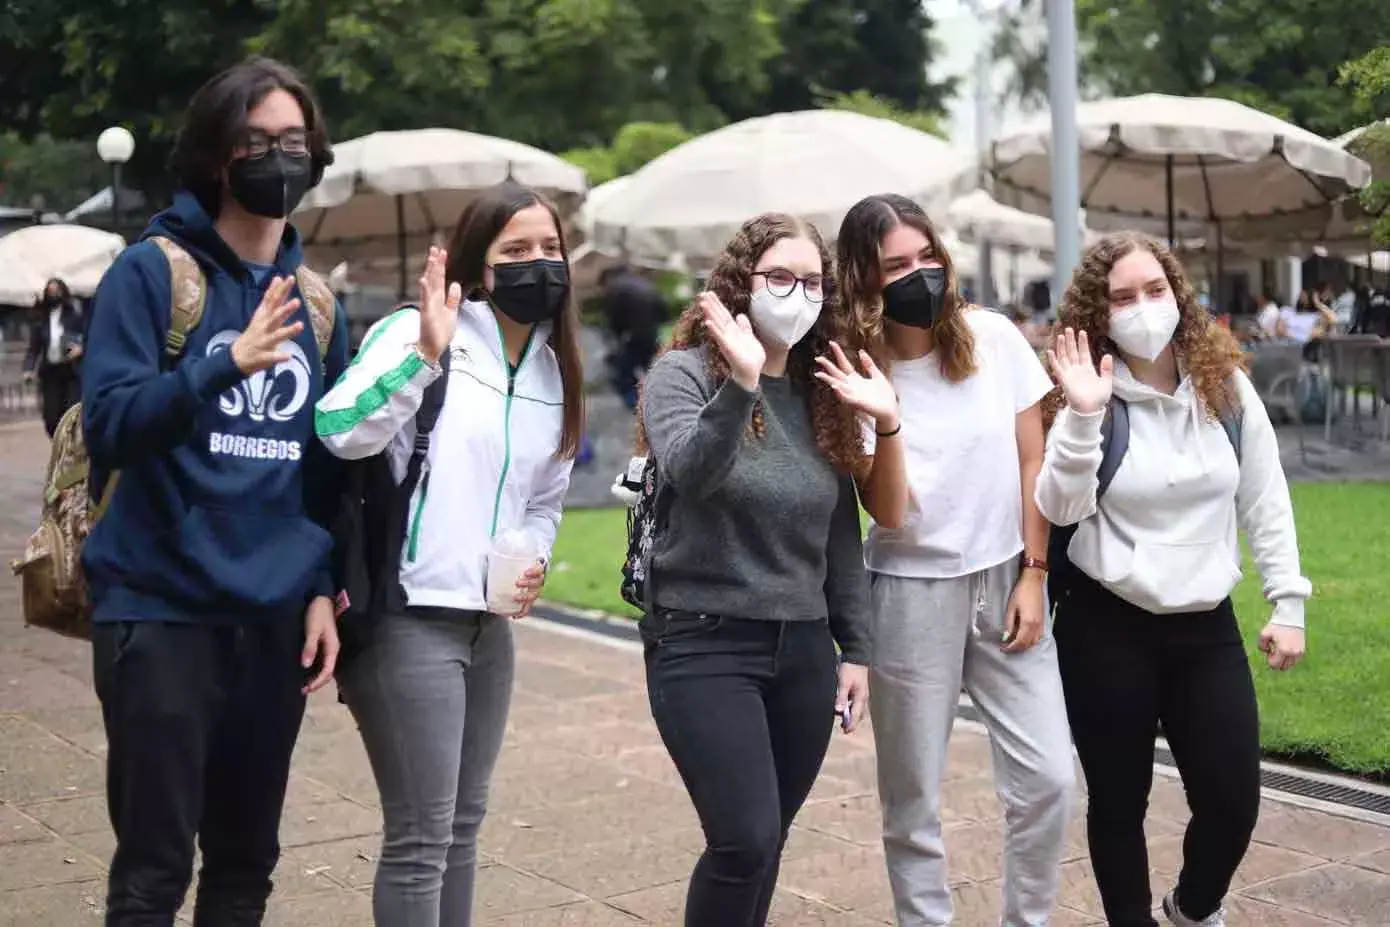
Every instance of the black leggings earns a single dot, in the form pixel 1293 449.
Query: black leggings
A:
pixel 1126 672
pixel 745 709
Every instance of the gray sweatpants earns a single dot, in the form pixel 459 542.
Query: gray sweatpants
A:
pixel 430 698
pixel 930 638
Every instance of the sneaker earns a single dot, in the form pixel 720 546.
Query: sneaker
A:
pixel 1179 919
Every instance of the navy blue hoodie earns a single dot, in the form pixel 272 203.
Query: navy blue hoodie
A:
pixel 223 487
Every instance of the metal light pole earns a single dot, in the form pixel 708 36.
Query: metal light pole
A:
pixel 1066 157
pixel 985 272
pixel 115 146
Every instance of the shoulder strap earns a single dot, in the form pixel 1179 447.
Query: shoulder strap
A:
pixel 188 295
pixel 1114 442
pixel 1232 419
pixel 432 402
pixel 321 305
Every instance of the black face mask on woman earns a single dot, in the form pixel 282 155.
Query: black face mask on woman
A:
pixel 917 298
pixel 530 291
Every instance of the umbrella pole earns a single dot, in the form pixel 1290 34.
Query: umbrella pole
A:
pixel 1168 183
pixel 400 243
pixel 1218 290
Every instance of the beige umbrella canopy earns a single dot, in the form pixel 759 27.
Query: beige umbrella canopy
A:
pixel 1184 158
pixel 390 193
pixel 77 254
pixel 814 164
pixel 978 215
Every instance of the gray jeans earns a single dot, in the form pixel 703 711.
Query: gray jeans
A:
pixel 931 638
pixel 430 698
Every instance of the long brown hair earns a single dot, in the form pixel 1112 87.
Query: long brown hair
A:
pixel 482 221
pixel 1207 350
pixel 860 274
pixel 833 423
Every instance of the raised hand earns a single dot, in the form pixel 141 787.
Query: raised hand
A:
pixel 1087 389
pixel 259 347
pixel 735 340
pixel 869 393
pixel 439 307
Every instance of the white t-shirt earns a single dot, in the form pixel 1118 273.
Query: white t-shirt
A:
pixel 1269 318
pixel 55 335
pixel 965 505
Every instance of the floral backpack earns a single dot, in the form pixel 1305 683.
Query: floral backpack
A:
pixel 53 592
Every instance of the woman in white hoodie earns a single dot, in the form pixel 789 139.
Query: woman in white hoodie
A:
pixel 431 692
pixel 1146 635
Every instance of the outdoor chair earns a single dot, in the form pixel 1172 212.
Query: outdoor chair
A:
pixel 1275 371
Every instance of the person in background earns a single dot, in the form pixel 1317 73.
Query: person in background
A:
pixel 758 573
pixel 431 692
pixel 959 583
pixel 209 574
pixel 1269 314
pixel 634 309
pixel 55 353
pixel 1146 632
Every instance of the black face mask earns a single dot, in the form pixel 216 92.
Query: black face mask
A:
pixel 916 299
pixel 270 186
pixel 530 291
pixel 50 300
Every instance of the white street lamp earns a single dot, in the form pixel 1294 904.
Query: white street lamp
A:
pixel 115 146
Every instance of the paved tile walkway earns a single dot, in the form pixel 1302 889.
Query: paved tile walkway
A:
pixel 589 826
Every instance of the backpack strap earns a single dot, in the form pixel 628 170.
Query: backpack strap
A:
pixel 321 305
pixel 1232 418
pixel 188 294
pixel 1114 442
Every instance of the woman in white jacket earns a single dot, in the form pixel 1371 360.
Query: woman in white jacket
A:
pixel 1146 635
pixel 431 693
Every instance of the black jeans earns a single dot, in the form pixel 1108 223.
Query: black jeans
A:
pixel 201 721
pixel 60 389
pixel 745 709
pixel 1125 672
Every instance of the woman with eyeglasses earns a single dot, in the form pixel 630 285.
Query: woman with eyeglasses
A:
pixel 757 573
pixel 958 587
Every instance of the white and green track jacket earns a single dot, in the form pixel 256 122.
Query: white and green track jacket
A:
pixel 491 464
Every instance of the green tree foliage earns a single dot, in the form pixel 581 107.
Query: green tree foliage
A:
pixel 1369 77
pixel 60 174
pixel 1280 56
pixel 866 104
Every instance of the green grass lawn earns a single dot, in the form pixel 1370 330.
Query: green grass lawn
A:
pixel 1335 706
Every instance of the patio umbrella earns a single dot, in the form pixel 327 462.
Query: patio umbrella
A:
pixel 1184 158
pixel 814 164
pixel 390 193
pixel 77 254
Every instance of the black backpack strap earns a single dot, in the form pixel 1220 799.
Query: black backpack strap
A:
pixel 1114 442
pixel 1233 420
pixel 425 420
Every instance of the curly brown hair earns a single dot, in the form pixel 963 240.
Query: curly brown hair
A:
pixel 1208 352
pixel 860 279
pixel 836 429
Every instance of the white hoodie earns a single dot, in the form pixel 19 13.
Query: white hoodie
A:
pixel 1164 537
pixel 492 451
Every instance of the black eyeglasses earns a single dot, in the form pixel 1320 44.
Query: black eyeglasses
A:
pixel 782 282
pixel 293 142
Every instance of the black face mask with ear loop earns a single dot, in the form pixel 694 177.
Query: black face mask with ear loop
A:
pixel 270 186
pixel 530 291
pixel 917 298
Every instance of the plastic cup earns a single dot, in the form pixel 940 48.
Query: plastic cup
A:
pixel 503 573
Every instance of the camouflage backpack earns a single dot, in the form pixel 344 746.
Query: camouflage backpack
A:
pixel 54 594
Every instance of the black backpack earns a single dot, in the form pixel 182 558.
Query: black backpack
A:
pixel 646 518
pixel 1114 442
pixel 370 528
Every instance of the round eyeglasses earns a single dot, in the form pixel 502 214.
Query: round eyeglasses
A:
pixel 782 282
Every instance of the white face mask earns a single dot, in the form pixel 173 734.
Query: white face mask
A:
pixel 782 320
pixel 1144 330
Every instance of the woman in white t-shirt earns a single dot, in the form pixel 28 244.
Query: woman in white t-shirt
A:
pixel 958 588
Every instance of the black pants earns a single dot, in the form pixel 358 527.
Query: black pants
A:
pixel 200 722
pixel 59 390
pixel 1125 672
pixel 745 709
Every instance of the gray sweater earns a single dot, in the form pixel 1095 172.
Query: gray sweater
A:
pixel 758 528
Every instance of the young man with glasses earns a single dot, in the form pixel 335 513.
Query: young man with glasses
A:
pixel 209 571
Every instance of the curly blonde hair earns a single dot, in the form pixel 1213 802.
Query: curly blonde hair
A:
pixel 1209 353
pixel 860 278
pixel 834 424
